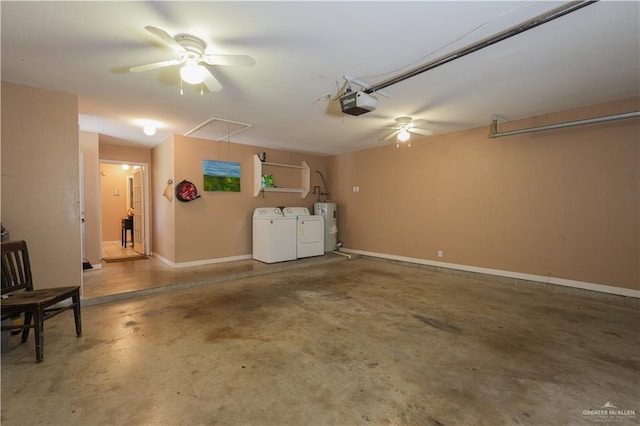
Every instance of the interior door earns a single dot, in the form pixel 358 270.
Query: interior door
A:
pixel 138 215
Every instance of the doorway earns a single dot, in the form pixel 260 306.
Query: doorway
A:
pixel 124 221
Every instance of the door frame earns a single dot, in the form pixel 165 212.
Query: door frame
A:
pixel 147 201
pixel 138 203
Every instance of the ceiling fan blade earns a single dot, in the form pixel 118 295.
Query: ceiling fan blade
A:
pixel 421 132
pixel 418 122
pixel 213 85
pixel 234 60
pixel 391 135
pixel 166 38
pixel 155 65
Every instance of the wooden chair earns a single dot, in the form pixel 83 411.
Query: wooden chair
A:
pixel 18 296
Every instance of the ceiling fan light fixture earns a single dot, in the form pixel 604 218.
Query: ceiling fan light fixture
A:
pixel 193 73
pixel 149 129
pixel 403 135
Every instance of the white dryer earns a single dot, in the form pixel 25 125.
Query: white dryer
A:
pixel 309 231
pixel 274 235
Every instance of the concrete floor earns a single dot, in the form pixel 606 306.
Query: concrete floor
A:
pixel 359 342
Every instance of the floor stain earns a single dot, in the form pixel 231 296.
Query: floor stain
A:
pixel 439 325
pixel 380 273
pixel 89 343
pixel 160 311
pixel 630 364
pixel 192 314
pixel 221 333
pixel 250 306
pixel 229 333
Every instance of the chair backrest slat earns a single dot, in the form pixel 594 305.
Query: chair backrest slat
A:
pixel 16 269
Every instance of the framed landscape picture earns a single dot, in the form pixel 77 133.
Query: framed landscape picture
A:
pixel 221 176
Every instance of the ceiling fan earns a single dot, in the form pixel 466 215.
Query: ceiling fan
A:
pixel 404 127
pixel 193 58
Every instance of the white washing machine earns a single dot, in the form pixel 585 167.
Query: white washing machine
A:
pixel 309 232
pixel 274 235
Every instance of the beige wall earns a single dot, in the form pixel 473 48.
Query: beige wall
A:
pixel 562 203
pixel 218 225
pixel 162 200
pixel 40 180
pixel 91 172
pixel 112 149
pixel 113 184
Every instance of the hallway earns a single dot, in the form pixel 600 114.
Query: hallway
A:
pixel 359 342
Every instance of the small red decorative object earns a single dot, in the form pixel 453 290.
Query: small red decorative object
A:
pixel 186 191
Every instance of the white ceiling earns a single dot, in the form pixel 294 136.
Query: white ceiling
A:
pixel 303 49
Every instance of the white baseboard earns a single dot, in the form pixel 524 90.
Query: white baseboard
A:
pixel 621 291
pixel 200 262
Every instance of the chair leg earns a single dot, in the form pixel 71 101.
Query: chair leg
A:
pixel 38 322
pixel 76 313
pixel 28 316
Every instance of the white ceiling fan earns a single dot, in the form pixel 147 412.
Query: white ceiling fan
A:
pixel 404 127
pixel 191 53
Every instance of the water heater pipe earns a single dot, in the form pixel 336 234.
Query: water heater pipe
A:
pixel 342 254
pixel 326 190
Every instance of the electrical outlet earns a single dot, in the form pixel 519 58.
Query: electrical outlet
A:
pixel 440 253
pixel 356 189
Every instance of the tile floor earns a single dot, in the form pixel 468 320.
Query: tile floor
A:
pixel 114 250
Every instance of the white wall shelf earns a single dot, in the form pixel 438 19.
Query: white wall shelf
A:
pixel 257 174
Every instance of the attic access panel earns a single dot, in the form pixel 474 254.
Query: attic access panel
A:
pixel 218 129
